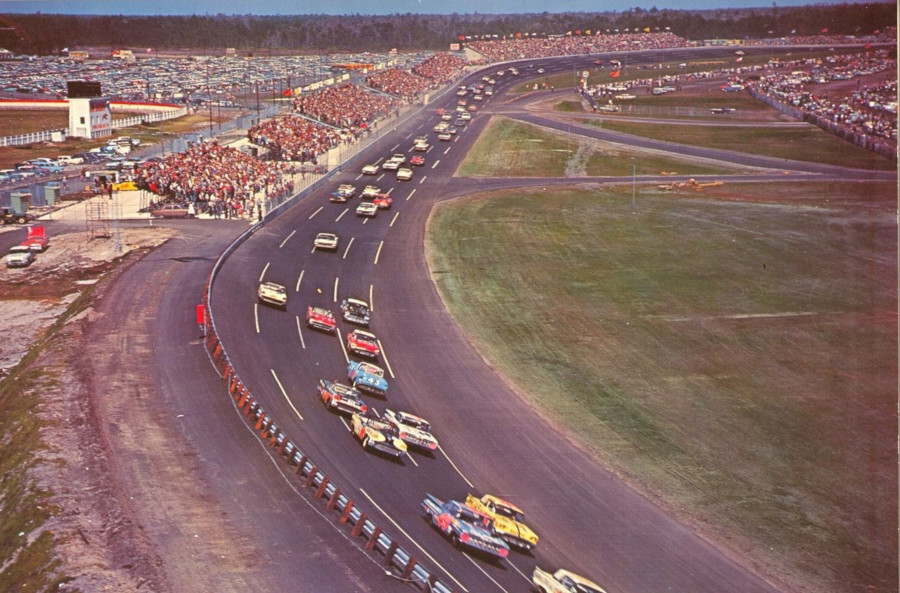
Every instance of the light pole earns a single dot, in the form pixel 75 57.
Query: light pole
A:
pixel 633 172
pixel 209 99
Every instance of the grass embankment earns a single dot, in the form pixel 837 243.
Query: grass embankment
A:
pixel 733 353
pixel 27 549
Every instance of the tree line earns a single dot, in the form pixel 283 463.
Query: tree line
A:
pixel 50 33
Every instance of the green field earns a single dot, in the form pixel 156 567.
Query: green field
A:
pixel 732 353
pixel 513 149
pixel 806 143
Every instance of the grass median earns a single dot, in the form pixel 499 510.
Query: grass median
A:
pixel 732 352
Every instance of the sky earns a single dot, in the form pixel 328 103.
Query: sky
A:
pixel 370 7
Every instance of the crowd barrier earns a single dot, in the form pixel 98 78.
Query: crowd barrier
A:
pixel 866 141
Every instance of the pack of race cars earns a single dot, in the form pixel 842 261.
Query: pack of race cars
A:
pixel 486 525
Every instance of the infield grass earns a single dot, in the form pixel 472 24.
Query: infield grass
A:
pixel 732 353
pixel 802 143
pixel 508 148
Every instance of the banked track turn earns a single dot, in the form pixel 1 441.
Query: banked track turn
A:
pixel 490 441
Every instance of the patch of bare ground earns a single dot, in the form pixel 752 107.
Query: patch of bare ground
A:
pixel 98 544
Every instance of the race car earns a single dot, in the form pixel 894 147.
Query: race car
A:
pixel 355 311
pixel 366 209
pixel 321 319
pixel 363 343
pixel 326 241
pixel 445 136
pixel 347 188
pixel 382 201
pixel 370 170
pixel 413 430
pixel 390 165
pixel 417 161
pixel 367 377
pixel 508 520
pixel 404 174
pixel 370 191
pixel 376 434
pixel 421 146
pixel 270 293
pixel 343 193
pixel 341 398
pixel 464 526
pixel 562 581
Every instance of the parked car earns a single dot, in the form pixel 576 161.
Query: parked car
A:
pixel 20 256
pixel 171 211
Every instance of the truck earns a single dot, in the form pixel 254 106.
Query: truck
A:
pixel 10 216
pixel 562 581
pixel 507 520
pixel 464 526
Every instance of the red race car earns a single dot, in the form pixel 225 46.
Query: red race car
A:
pixel 363 343
pixel 383 201
pixel 319 318
pixel 417 160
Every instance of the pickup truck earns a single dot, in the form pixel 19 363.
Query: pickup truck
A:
pixel 562 581
pixel 507 520
pixel 464 526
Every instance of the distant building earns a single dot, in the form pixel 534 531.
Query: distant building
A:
pixel 123 54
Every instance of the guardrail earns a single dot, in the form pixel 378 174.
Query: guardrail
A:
pixel 309 474
pixel 306 471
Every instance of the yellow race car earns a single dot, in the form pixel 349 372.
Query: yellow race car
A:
pixel 507 518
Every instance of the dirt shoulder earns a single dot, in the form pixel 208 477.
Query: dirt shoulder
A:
pixel 70 491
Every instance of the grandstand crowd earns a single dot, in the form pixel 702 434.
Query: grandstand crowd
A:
pixel 869 110
pixel 499 50
pixel 215 179
pixel 220 179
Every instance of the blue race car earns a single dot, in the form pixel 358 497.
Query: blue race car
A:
pixel 367 377
pixel 464 526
